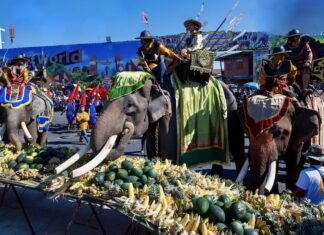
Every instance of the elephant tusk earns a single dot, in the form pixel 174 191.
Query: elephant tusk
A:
pixel 2 131
pixel 243 171
pixel 97 159
pixel 271 176
pixel 72 159
pixel 26 131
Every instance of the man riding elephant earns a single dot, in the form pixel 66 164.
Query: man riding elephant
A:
pixel 301 56
pixel 17 72
pixel 277 75
pixel 150 55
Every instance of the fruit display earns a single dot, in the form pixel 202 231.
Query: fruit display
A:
pixel 181 201
pixel 31 162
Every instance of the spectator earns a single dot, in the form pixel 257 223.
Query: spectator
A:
pixel 310 183
pixel 82 120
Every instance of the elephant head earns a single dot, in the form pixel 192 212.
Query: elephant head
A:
pixel 297 126
pixel 124 118
pixel 25 118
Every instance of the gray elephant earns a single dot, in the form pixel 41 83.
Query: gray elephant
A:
pixel 147 109
pixel 26 117
pixel 285 137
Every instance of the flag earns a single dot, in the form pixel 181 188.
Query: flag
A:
pixel 83 100
pixel 94 91
pixel 12 32
pixel 201 10
pixel 103 93
pixel 74 94
pixel 145 18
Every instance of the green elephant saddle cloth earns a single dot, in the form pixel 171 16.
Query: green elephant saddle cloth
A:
pixel 125 83
pixel 201 119
pixel 261 112
pixel 16 97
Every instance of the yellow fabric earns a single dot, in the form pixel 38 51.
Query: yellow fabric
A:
pixel 263 80
pixel 163 50
pixel 82 120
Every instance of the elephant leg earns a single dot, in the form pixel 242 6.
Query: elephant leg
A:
pixel 42 138
pixel 152 140
pixel 33 132
pixel 167 140
pixel 236 139
pixel 14 139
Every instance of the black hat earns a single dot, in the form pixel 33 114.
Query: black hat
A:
pixel 293 33
pixel 196 23
pixel 279 50
pixel 145 35
pixel 18 59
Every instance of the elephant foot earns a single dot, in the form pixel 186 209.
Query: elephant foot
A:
pixel 217 170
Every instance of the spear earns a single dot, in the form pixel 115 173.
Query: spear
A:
pixel 221 24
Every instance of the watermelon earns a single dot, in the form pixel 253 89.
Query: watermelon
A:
pixel 149 164
pixel 21 157
pixel 224 198
pixel 146 169
pixel 28 159
pixel 153 174
pixel 137 171
pixel 131 179
pixel 11 164
pixel 221 226
pixel 127 165
pixel 22 166
pixel 110 176
pixel 118 182
pixel 122 174
pixel 237 227
pixel 201 205
pixel 100 178
pixel 124 186
pixel 113 167
pixel 238 210
pixel 143 178
pixel 216 214
pixel 250 231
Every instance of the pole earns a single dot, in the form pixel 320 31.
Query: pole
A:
pixel 1 42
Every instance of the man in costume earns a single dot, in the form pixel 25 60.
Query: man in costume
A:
pixel 17 72
pixel 150 55
pixel 301 56
pixel 277 74
pixel 194 41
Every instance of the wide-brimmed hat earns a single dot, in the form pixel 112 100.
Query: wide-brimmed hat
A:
pixel 196 23
pixel 316 152
pixel 145 35
pixel 279 50
pixel 18 59
pixel 293 33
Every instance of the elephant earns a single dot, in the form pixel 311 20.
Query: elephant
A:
pixel 285 138
pixel 24 118
pixel 147 109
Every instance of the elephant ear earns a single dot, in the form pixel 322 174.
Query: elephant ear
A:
pixel 159 106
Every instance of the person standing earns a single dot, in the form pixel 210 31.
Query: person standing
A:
pixel 82 120
pixel 310 184
pixel 92 115
pixel 70 110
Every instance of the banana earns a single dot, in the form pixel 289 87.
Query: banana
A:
pixel 203 229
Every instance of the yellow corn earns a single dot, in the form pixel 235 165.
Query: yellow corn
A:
pixel 203 229
pixel 131 193
pixel 185 220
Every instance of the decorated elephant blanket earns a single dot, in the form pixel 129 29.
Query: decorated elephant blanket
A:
pixel 125 83
pixel 317 104
pixel 201 117
pixel 16 97
pixel 261 112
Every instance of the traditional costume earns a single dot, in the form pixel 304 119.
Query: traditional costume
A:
pixel 17 72
pixel 151 56
pixel 301 56
pixel 277 78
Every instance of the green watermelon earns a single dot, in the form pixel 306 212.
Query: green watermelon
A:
pixel 201 205
pixel 118 182
pixel 137 171
pixel 100 178
pixel 113 167
pixel 28 159
pixel 152 173
pixel 21 157
pixel 237 227
pixel 127 165
pixel 110 176
pixel 11 164
pixel 23 166
pixel 216 214
pixel 124 186
pixel 221 226
pixel 238 210
pixel 250 231
pixel 143 178
pixel 122 174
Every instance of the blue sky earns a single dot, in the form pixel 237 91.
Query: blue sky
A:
pixel 57 22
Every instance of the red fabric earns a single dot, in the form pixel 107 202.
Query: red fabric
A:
pixel 74 94
pixel 255 128
pixel 83 100
pixel 103 93
pixel 94 92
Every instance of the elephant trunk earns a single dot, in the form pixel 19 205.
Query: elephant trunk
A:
pixel 111 122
